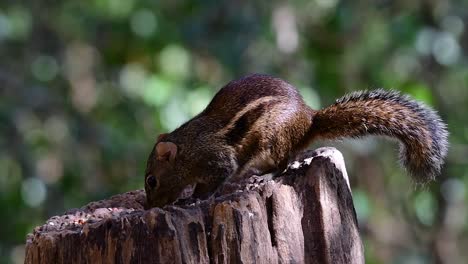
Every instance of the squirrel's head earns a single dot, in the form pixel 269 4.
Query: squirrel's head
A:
pixel 162 182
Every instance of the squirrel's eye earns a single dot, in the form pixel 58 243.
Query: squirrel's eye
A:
pixel 151 181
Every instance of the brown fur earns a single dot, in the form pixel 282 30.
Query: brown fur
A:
pixel 254 124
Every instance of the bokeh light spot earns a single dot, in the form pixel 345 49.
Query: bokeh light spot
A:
pixel 50 168
pixel 284 22
pixel 80 59
pixel 446 49
pixel 424 41
pixel 132 78
pixel 424 206
pixel 326 3
pixel 173 115
pixel 44 68
pixel 56 129
pixel 453 24
pixel 174 61
pixel 116 9
pixel 156 90
pixel 5 26
pixel 33 192
pixel 199 99
pixel 21 22
pixel 143 23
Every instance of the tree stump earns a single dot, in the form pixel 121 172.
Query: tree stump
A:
pixel 305 215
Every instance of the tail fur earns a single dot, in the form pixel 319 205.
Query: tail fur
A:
pixel 420 130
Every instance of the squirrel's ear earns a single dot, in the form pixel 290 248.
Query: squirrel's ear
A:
pixel 162 136
pixel 166 151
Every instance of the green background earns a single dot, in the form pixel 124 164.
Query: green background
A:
pixel 86 87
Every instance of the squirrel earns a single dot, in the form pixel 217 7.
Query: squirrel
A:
pixel 255 124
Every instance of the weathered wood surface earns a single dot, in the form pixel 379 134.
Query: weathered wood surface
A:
pixel 304 216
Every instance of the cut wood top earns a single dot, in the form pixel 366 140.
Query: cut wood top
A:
pixel 305 215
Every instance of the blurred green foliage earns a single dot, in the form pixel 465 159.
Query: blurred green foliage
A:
pixel 86 86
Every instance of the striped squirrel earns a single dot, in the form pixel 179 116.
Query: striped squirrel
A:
pixel 255 124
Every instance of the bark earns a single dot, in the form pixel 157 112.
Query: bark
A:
pixel 305 215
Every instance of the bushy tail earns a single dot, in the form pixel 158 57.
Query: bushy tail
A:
pixel 420 130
